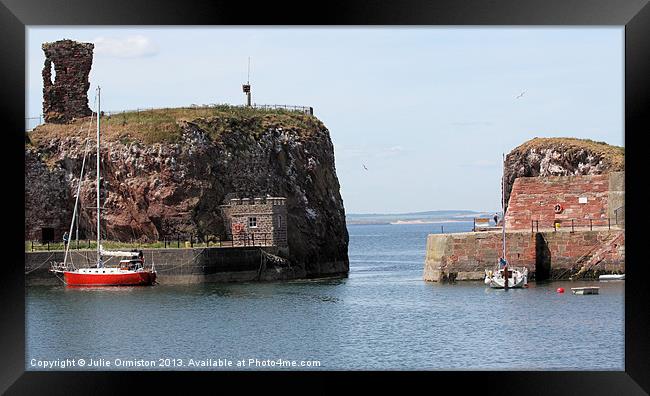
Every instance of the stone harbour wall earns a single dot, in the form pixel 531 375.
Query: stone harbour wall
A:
pixel 181 266
pixel 581 198
pixel 547 255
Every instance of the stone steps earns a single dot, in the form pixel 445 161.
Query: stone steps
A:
pixel 597 255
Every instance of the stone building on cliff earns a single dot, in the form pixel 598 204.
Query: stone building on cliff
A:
pixel 257 221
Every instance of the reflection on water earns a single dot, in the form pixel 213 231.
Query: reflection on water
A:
pixel 382 317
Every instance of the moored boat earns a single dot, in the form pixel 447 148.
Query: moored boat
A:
pixel 585 290
pixel 130 271
pixel 612 277
pixel 503 277
pixel 108 277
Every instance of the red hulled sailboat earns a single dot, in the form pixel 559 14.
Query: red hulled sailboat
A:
pixel 130 271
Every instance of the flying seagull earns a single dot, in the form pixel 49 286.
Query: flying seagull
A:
pixel 521 94
pixel 364 166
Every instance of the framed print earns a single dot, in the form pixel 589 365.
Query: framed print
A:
pixel 431 190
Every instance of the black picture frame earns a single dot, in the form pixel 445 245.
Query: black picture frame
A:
pixel 15 15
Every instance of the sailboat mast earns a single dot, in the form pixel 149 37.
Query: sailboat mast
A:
pixel 99 258
pixel 503 202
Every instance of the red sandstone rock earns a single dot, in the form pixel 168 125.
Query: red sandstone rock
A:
pixel 561 157
pixel 165 189
pixel 535 198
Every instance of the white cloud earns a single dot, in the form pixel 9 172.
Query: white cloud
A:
pixel 127 47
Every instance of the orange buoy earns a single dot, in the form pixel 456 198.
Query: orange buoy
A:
pixel 560 290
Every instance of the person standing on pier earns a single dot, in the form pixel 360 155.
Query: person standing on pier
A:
pixel 496 219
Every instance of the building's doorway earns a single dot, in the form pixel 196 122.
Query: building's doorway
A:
pixel 47 235
pixel 542 258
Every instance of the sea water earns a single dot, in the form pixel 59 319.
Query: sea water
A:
pixel 383 316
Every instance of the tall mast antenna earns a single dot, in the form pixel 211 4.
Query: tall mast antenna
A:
pixel 99 257
pixel 503 201
pixel 247 87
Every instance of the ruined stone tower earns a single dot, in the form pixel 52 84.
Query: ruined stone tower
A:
pixel 66 97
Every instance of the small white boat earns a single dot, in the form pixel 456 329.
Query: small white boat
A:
pixel 585 290
pixel 612 277
pixel 516 278
pixel 503 277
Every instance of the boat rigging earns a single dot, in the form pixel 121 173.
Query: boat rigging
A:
pixel 130 271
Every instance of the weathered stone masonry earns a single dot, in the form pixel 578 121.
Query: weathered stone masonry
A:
pixel 581 198
pixel 545 157
pixel 66 97
pixel 547 255
pixel 179 266
pixel 257 221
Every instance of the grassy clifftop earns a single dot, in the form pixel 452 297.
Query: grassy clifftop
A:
pixel 613 155
pixel 164 125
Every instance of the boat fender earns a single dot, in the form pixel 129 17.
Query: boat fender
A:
pixel 560 290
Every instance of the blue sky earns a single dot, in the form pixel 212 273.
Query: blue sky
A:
pixel 428 111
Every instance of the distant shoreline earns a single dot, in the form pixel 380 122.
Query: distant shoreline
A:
pixel 428 221
pixel 430 217
pixel 405 222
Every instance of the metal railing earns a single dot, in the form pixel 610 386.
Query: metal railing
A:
pixel 251 239
pixel 301 109
pixel 619 215
pixel 164 242
pixel 293 108
pixel 33 122
pixel 572 224
pixel 483 224
pixel 39 245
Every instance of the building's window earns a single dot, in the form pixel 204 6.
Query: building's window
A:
pixel 279 221
pixel 252 222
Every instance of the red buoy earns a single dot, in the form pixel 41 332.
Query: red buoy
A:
pixel 560 290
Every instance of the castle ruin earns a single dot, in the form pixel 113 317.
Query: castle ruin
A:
pixel 66 97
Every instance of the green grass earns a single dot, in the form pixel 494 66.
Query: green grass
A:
pixel 164 125
pixel 112 245
pixel 615 155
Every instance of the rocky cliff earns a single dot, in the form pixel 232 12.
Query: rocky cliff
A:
pixel 166 172
pixel 561 157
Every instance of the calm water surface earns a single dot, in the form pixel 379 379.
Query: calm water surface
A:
pixel 384 316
